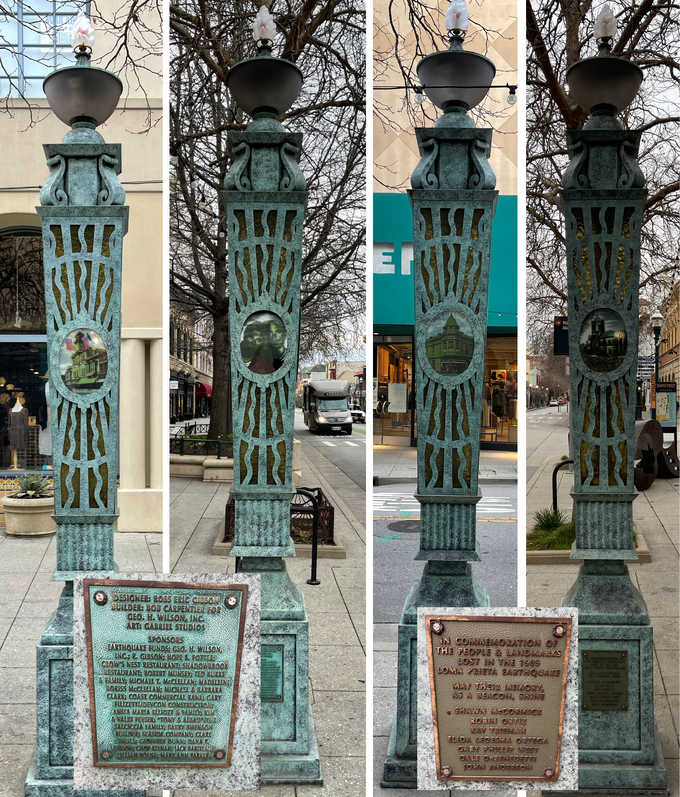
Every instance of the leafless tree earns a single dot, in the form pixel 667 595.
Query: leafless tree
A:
pixel 128 36
pixel 560 32
pixel 325 38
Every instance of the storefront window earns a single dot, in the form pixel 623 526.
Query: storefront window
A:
pixel 393 421
pixel 499 405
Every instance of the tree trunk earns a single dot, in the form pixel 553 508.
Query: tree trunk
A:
pixel 220 413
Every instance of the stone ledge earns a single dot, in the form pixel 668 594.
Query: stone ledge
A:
pixel 562 557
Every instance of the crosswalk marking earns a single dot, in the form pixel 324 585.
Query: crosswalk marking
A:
pixel 348 443
pixel 326 443
pixel 384 503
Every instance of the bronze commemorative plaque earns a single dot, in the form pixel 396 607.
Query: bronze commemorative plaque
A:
pixel 498 686
pixel 164 661
pixel 604 680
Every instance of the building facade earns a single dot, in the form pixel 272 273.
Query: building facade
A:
pixel 25 125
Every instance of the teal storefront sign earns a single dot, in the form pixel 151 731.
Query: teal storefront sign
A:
pixel 393 299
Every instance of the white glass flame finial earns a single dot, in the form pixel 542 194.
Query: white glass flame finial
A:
pixel 457 17
pixel 82 33
pixel 605 24
pixel 264 27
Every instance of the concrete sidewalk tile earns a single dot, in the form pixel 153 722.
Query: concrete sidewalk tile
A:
pixel 667 729
pixel 350 575
pixel 342 669
pixel 379 755
pixel 340 721
pixel 331 628
pixel 355 599
pixel 18 649
pixel 359 621
pixel 384 670
pixel 14 762
pixel 39 610
pixel 668 662
pixel 384 702
pixel 17 684
pixel 385 636
pixel 660 594
pixel 330 602
pixel 666 636
pixel 17 723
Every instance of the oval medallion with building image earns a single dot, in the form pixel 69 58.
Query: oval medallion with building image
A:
pixel 83 361
pixel 449 343
pixel 603 342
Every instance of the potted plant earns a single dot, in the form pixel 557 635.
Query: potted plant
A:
pixel 28 512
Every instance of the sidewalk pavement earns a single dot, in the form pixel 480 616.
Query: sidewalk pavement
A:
pixel 336 609
pixel 399 464
pixel 27 598
pixel 656 512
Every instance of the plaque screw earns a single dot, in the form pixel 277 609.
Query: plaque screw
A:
pixel 558 631
pixel 230 602
pixel 100 598
pixel 447 772
pixel 219 754
pixel 437 627
pixel 106 754
pixel 548 773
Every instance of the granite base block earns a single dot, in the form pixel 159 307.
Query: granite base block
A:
pixel 63 787
pixel 399 772
pixel 298 768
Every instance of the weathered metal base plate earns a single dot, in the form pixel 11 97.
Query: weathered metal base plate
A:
pixel 496 699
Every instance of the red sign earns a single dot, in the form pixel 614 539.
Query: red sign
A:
pixel 560 400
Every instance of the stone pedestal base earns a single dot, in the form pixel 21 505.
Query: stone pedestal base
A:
pixel 62 787
pixel 622 779
pixel 443 583
pixel 400 772
pixel 295 768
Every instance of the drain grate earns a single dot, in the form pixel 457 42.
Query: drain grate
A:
pixel 405 526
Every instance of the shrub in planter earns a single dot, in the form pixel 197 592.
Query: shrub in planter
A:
pixel 28 512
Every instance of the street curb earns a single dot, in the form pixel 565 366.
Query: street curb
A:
pixel 336 500
pixel 379 480
pixel 563 557
pixel 540 470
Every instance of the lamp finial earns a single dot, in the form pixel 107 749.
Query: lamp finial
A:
pixel 605 24
pixel 457 17
pixel 82 34
pixel 264 26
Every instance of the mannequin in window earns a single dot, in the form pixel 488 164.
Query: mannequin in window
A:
pixel 45 435
pixel 18 431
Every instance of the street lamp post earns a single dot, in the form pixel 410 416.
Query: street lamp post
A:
pixel 604 195
pixel 657 324
pixel 453 201
pixel 264 201
pixel 83 224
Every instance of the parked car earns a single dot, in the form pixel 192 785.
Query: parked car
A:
pixel 553 403
pixel 358 415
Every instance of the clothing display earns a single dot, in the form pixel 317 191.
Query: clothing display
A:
pixel 45 437
pixel 18 427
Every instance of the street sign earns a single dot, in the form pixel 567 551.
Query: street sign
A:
pixel 560 400
pixel 666 404
pixel 645 367
pixel 560 335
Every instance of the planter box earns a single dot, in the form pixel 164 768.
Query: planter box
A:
pixel 299 523
pixel 562 557
pixel 28 517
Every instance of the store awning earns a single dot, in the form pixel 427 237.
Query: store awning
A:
pixel 203 390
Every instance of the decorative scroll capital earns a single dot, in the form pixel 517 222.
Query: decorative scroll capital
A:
pixel 603 158
pixel 265 160
pixel 453 158
pixel 82 174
